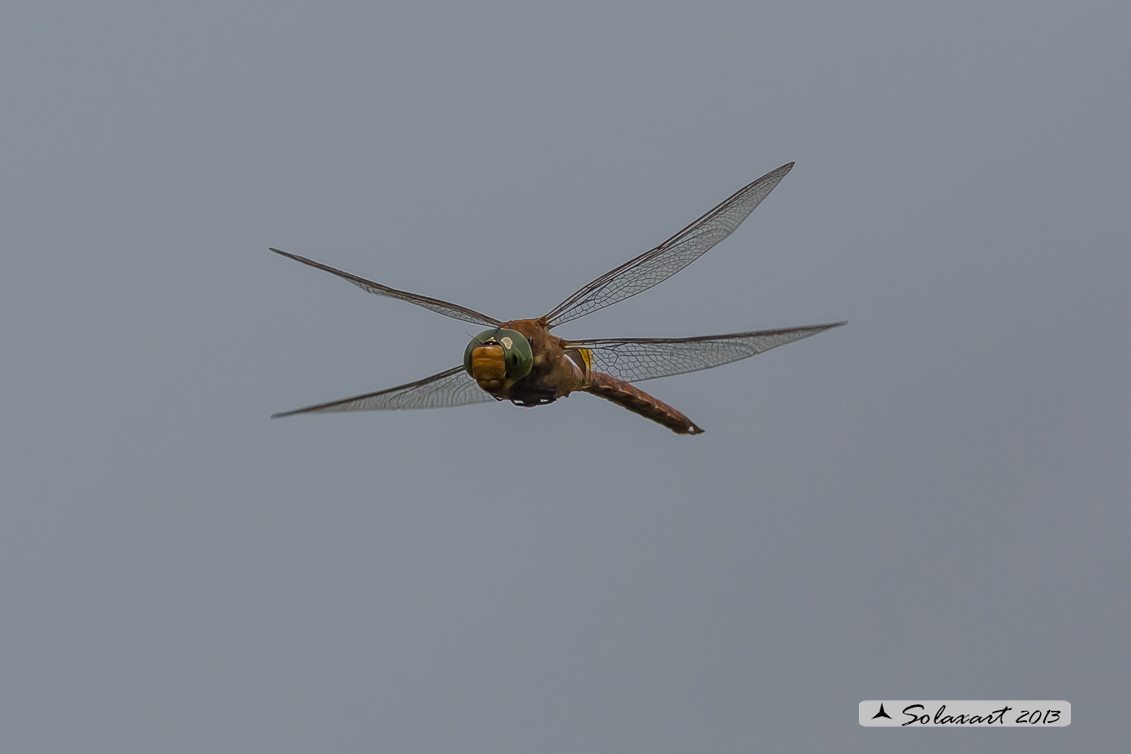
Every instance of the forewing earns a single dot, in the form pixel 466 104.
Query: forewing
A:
pixel 443 307
pixel 451 388
pixel 659 264
pixel 637 359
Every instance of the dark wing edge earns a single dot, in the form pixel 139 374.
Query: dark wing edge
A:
pixel 659 264
pixel 455 311
pixel 451 388
pixel 637 359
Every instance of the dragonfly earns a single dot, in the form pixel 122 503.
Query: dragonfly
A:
pixel 522 361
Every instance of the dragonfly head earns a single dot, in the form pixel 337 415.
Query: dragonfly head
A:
pixel 494 357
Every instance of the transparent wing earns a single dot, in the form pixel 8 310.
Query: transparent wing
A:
pixel 443 307
pixel 659 264
pixel 637 359
pixel 451 388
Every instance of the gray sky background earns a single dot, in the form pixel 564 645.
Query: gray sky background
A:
pixel 931 502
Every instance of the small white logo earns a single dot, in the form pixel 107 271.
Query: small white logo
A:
pixel 964 713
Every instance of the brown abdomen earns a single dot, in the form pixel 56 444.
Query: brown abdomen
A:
pixel 639 402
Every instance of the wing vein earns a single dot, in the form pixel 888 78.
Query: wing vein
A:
pixel 659 264
pixel 453 387
pixel 637 359
pixel 448 309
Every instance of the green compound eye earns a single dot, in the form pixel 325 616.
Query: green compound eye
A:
pixel 516 349
pixel 486 336
pixel 520 358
